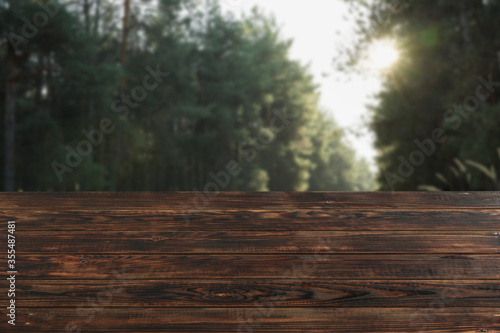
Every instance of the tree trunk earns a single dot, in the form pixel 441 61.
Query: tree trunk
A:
pixel 86 8
pixel 464 22
pixel 123 56
pixel 10 127
pixel 123 60
pixel 97 17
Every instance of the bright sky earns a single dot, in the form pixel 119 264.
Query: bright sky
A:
pixel 313 25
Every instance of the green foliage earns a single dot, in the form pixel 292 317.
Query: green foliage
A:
pixel 445 46
pixel 232 95
pixel 465 176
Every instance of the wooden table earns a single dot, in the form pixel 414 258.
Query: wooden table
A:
pixel 253 262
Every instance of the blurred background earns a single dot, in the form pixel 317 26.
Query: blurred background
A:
pixel 207 95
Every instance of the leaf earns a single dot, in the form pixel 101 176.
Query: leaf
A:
pixel 455 171
pixel 442 178
pixel 430 188
pixel 460 165
pixel 489 173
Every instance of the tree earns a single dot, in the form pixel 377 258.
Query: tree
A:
pixel 445 47
pixel 190 100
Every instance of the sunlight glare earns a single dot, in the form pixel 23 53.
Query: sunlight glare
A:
pixel 383 54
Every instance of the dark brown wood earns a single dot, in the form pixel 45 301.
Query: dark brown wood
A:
pixel 254 262
pixel 302 267
pixel 188 202
pixel 257 220
pixel 246 293
pixel 268 242
pixel 139 319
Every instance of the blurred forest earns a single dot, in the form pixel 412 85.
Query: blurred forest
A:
pixel 160 95
pixel 442 99
pixel 177 95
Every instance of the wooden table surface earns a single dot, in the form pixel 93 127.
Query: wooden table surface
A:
pixel 253 262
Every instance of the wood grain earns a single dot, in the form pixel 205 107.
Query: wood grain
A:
pixel 302 267
pixel 219 242
pixel 254 262
pixel 196 201
pixel 246 293
pixel 256 220
pixel 470 320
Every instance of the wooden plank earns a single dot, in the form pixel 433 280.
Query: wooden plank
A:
pixel 256 220
pixel 195 201
pixel 246 293
pixel 301 267
pixel 470 320
pixel 255 262
pixel 268 242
